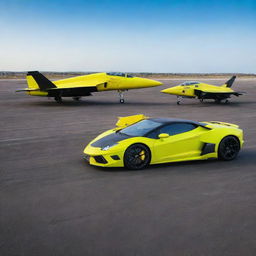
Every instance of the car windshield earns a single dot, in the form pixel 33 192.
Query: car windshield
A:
pixel 141 128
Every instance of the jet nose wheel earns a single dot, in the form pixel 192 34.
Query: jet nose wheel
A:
pixel 178 100
pixel 121 95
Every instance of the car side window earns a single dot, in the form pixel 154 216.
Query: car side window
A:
pixel 172 129
pixel 154 134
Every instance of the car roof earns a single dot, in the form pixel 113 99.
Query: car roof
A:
pixel 175 120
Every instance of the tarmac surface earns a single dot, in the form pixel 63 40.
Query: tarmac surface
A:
pixel 53 203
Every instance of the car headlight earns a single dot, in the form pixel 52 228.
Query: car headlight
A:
pixel 108 147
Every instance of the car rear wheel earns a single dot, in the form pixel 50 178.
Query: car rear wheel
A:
pixel 137 157
pixel 228 148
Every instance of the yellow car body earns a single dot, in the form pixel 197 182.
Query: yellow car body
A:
pixel 200 143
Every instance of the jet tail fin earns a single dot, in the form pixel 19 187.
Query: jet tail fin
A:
pixel 38 81
pixel 230 82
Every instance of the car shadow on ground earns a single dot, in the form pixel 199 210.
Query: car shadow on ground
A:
pixel 245 157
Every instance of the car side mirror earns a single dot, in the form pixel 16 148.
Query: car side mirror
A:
pixel 163 135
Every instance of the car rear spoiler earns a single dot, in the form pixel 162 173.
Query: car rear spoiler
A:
pixel 129 120
pixel 223 123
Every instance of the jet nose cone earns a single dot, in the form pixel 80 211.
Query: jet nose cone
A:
pixel 157 83
pixel 152 83
pixel 165 91
pixel 172 90
pixel 138 82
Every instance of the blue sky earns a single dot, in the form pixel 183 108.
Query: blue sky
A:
pixel 132 36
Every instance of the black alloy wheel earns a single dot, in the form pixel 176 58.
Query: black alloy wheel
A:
pixel 228 148
pixel 136 157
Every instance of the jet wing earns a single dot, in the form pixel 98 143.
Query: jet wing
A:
pixel 78 84
pixel 70 86
pixel 73 90
pixel 206 93
pixel 27 90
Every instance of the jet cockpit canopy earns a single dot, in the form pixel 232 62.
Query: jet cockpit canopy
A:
pixel 119 74
pixel 189 83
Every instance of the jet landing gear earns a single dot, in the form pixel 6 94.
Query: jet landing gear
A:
pixel 58 99
pixel 179 100
pixel 226 101
pixel 76 98
pixel 121 96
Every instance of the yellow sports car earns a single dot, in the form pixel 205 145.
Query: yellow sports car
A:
pixel 138 141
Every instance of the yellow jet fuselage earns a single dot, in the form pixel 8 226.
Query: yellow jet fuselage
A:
pixel 39 85
pixel 190 90
pixel 203 91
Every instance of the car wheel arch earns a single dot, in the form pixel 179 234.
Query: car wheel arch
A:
pixel 140 143
pixel 229 135
pixel 233 151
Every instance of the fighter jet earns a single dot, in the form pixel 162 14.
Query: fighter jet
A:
pixel 203 91
pixel 76 87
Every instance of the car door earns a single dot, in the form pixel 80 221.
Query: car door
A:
pixel 183 142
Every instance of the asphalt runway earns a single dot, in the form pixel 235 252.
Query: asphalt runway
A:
pixel 53 203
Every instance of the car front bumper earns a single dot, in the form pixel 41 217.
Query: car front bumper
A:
pixel 104 158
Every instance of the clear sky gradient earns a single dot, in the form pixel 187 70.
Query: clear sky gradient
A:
pixel 132 36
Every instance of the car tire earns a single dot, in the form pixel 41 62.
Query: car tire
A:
pixel 137 156
pixel 229 148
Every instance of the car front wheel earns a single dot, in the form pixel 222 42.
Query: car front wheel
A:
pixel 136 157
pixel 228 148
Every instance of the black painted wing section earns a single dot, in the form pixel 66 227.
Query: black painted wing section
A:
pixel 47 86
pixel 215 95
pixel 71 92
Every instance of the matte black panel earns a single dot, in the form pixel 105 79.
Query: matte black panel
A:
pixel 175 120
pixel 41 80
pixel 72 92
pixel 208 148
pixel 213 95
pixel 230 82
pixel 109 140
pixel 115 157
pixel 100 159
pixel 46 85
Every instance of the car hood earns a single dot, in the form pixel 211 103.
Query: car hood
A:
pixel 110 140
